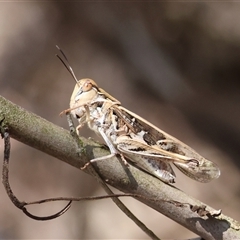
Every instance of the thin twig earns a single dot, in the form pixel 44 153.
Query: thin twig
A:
pixel 5 180
pixel 107 189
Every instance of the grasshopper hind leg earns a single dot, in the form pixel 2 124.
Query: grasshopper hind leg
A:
pixel 159 169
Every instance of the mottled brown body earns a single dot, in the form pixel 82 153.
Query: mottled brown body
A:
pixel 135 139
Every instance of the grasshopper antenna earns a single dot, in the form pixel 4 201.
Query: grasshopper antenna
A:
pixel 66 63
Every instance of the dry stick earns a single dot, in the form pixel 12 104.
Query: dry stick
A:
pixel 5 180
pixel 94 172
pixel 55 141
pixel 21 204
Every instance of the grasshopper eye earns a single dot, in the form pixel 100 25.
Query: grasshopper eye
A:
pixel 87 87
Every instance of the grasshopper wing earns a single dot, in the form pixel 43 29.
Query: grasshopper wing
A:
pixel 204 173
pixel 157 145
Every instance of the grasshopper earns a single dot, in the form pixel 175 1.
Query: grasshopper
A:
pixel 132 137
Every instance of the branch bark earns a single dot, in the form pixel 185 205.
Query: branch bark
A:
pixel 38 133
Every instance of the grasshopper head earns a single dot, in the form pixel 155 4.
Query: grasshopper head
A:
pixel 85 91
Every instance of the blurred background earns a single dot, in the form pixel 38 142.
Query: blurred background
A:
pixel 176 64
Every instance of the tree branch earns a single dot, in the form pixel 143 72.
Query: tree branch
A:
pixel 38 133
